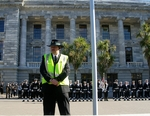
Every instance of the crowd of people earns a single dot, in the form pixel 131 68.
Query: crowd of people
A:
pixel 82 91
pixel 24 90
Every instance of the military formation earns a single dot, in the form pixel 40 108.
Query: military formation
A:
pixel 82 91
pixel 133 91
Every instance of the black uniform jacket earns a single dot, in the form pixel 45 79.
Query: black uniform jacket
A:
pixel 49 88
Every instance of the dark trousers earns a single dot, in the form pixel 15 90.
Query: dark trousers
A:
pixel 50 100
pixel 106 95
pixel 99 93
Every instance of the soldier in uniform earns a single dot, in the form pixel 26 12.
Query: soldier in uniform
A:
pixel 74 91
pixel 121 95
pixel 116 90
pixel 126 89
pixel 71 90
pixel 133 90
pixel 35 90
pixel 90 89
pixel 140 90
pixel 146 88
pixel 85 90
pixel 88 92
pixel 2 87
pixel 25 91
pixel 77 90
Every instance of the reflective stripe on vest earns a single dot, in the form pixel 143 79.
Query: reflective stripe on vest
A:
pixel 49 64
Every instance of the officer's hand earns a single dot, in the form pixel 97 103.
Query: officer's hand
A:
pixel 54 82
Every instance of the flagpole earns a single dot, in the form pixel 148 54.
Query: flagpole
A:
pixel 94 58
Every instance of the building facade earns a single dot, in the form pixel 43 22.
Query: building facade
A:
pixel 28 26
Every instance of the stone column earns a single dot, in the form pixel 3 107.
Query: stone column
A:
pixel 98 28
pixel 121 42
pixel 142 21
pixel 48 33
pixel 72 28
pixel 23 41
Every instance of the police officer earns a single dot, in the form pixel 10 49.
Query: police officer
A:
pixel 55 83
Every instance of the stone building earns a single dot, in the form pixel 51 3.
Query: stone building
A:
pixel 27 27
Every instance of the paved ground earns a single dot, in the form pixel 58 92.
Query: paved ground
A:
pixel 15 106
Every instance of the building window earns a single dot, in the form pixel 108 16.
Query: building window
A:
pixel 60 31
pixel 105 31
pixel 129 57
pixel 1 25
pixel 37 31
pixel 127 33
pixel 111 77
pixel 136 77
pixel 83 31
pixel 36 54
pixel 1 51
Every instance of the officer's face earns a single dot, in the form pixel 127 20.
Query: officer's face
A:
pixel 54 50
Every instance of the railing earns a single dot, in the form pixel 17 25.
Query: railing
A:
pixel 33 64
pixel 86 65
pixel 134 64
pixel 115 64
pixel 89 64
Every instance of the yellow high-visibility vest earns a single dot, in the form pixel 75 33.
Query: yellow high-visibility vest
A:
pixel 49 64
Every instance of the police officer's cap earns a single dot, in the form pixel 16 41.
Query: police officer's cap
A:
pixel 55 42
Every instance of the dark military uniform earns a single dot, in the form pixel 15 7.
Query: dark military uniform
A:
pixel 121 95
pixel 126 89
pixel 35 90
pixel 133 91
pixel 71 90
pixel 140 90
pixel 25 91
pixel 115 90
pixel 77 91
pixel 85 90
pixel 146 88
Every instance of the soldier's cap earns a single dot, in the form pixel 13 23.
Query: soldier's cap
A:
pixel 55 42
pixel 35 79
pixel 25 80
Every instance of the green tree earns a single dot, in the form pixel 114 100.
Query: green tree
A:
pixel 77 52
pixel 105 59
pixel 144 35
